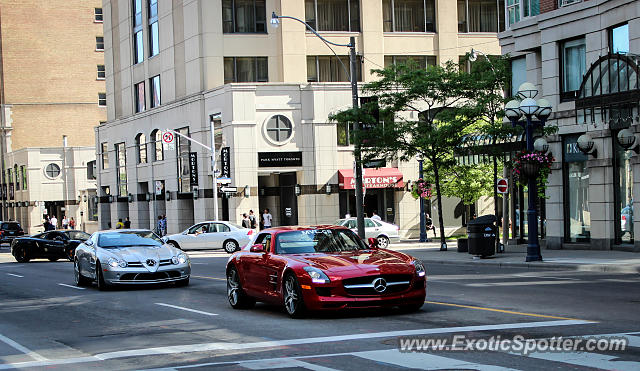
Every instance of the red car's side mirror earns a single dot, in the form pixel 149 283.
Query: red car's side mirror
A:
pixel 257 248
pixel 373 243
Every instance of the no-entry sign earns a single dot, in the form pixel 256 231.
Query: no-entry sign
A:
pixel 167 137
pixel 503 185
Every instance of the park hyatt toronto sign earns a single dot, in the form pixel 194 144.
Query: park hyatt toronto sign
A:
pixel 279 159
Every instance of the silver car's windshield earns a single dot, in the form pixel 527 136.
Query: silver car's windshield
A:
pixel 318 240
pixel 116 240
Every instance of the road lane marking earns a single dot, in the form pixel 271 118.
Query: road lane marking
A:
pixel 15 275
pixel 73 287
pixel 187 309
pixel 22 349
pixel 505 311
pixel 424 361
pixel 222 346
pixel 524 283
pixel 211 278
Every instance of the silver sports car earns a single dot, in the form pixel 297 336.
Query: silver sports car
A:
pixel 129 256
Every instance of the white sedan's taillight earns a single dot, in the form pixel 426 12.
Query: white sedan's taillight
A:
pixel 250 232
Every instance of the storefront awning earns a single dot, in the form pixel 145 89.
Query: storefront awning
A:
pixel 372 178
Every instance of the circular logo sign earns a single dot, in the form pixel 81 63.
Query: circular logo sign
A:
pixel 167 137
pixel 503 185
pixel 379 284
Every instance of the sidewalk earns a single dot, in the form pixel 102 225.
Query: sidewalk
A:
pixel 514 257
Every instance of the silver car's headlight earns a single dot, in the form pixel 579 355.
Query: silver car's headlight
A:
pixel 183 258
pixel 420 271
pixel 317 276
pixel 175 260
pixel 115 263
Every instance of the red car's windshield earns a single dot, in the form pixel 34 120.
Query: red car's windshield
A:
pixel 318 241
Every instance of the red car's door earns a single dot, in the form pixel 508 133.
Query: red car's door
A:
pixel 250 267
pixel 269 271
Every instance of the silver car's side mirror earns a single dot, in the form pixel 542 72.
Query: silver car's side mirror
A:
pixel 88 243
pixel 165 239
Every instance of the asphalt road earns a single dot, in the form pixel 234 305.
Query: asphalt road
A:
pixel 47 323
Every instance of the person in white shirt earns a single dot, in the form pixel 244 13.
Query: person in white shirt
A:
pixel 65 222
pixel 267 219
pixel 54 222
pixel 375 216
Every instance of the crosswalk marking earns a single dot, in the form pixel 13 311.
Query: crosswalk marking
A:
pixel 594 360
pixel 524 283
pixel 424 361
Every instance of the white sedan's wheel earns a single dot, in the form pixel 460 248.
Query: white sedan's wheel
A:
pixel 383 242
pixel 230 246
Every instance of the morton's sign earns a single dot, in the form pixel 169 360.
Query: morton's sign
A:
pixel 373 178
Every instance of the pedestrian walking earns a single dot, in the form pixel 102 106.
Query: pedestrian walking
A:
pixel 65 222
pixel 159 226
pixel 119 224
pixel 429 224
pixel 72 223
pixel 164 225
pixel 246 222
pixel 47 225
pixel 127 223
pixel 252 219
pixel 54 222
pixel 267 219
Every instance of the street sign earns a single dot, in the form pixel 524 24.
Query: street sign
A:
pixel 229 189
pixel 503 185
pixel 167 137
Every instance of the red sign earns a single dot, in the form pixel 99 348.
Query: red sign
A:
pixel 373 178
pixel 167 137
pixel 503 186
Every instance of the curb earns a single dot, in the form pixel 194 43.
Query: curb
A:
pixel 608 268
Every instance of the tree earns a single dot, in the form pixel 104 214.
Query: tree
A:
pixel 424 112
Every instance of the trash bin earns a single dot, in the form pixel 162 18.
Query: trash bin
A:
pixel 463 245
pixel 482 234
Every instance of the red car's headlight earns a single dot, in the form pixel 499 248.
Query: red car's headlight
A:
pixel 317 276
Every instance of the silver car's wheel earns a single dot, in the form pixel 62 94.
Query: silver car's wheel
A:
pixel 230 246
pixel 293 302
pixel 383 242
pixel 79 279
pixel 237 298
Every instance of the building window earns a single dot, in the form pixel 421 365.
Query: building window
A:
pixel 183 148
pixel 619 39
pixel 91 170
pixel 480 15
pixel 102 74
pixel 105 155
pixel 121 169
pixel 573 64
pixel 154 84
pixel 279 128
pixel 344 131
pixel 409 15
pixel 102 99
pixel 141 145
pixel 156 135
pixel 518 74
pixel 422 60
pixel 333 15
pixel 568 2
pixel 248 16
pixel 623 187
pixel 17 175
pixel 518 9
pixel 52 171
pixel 97 15
pixel 23 175
pixel 245 69
pixel 154 38
pixel 330 69
pixel 139 96
pixel 99 43
pixel 138 47
pixel 576 192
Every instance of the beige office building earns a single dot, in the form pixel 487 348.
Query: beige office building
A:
pixel 268 92
pixel 51 87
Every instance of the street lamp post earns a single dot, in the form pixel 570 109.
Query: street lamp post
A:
pixel 423 227
pixel 529 108
pixel 354 97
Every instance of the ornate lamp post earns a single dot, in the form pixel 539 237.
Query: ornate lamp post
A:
pixel 275 20
pixel 541 109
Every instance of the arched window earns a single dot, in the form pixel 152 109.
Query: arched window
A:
pixel 156 136
pixel 141 143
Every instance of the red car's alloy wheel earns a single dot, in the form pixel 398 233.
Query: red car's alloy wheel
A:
pixel 237 298
pixel 293 297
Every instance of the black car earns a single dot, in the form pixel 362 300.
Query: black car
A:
pixel 52 245
pixel 9 231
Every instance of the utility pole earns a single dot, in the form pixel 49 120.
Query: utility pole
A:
pixel 357 147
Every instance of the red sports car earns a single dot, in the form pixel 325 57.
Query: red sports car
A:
pixel 322 268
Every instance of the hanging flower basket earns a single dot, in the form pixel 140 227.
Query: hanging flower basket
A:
pixel 420 189
pixel 532 165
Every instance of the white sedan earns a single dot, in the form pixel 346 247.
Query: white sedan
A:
pixel 384 232
pixel 212 235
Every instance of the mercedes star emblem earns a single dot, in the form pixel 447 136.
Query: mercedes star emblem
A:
pixel 151 263
pixel 379 284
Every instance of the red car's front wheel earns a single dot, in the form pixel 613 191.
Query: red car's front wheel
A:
pixel 237 298
pixel 293 301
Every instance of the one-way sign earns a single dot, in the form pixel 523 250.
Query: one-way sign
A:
pixel 229 189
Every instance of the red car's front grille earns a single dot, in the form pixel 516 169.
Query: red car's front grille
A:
pixel 377 285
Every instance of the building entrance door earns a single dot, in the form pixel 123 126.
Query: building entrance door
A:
pixel 288 199
pixel 277 193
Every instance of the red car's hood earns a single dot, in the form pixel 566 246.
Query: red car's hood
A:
pixel 359 263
